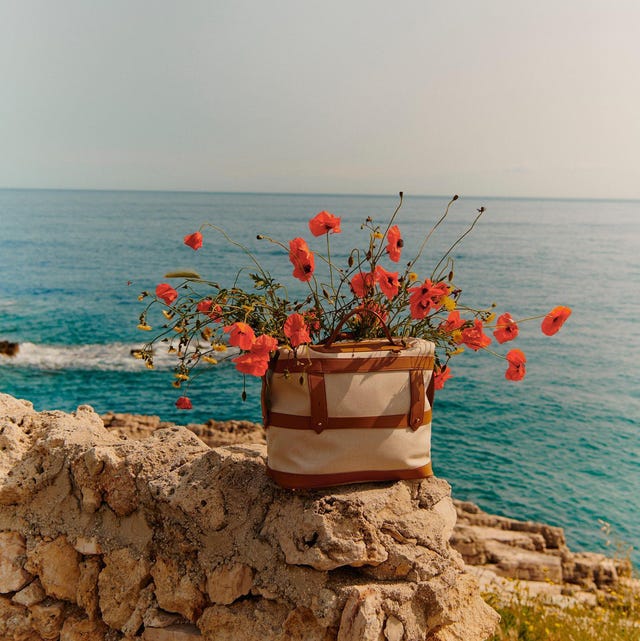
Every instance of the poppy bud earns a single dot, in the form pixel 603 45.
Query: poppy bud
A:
pixel 350 261
pixel 244 395
pixel 259 237
pixel 455 197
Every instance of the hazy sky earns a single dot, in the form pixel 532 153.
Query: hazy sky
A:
pixel 491 97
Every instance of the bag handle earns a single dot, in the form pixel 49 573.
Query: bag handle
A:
pixel 329 342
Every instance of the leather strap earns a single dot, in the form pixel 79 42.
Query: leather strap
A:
pixel 309 481
pixel 298 422
pixel 318 400
pixel 350 365
pixel 416 411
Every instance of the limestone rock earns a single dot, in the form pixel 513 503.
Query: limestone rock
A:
pixel 226 584
pixel 47 618
pixel 15 622
pixel 529 551
pixel 177 588
pixel 179 632
pixel 164 524
pixel 79 629
pixel 87 592
pixel 120 585
pixel 56 564
pixel 13 576
pixel 30 595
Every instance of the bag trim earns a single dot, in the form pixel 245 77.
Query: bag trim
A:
pixel 347 365
pixel 301 422
pixel 308 481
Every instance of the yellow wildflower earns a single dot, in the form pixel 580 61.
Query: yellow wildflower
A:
pixel 208 359
pixel 456 335
pixel 377 234
pixel 449 303
pixel 490 318
pixel 181 377
pixel 412 276
pixel 144 327
pixel 219 347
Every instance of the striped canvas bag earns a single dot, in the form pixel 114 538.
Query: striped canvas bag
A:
pixel 349 412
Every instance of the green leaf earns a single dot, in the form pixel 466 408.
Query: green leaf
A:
pixel 185 273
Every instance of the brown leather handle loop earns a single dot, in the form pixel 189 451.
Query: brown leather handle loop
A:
pixel 329 342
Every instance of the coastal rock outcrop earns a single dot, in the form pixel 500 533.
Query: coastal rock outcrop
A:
pixel 535 554
pixel 161 537
pixel 8 348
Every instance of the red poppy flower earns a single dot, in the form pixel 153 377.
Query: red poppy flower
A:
pixel 506 329
pixel 194 240
pixel 516 369
pixel 362 284
pixel 302 259
pixel 453 322
pixel 555 319
pixel 240 335
pixel 441 375
pixel 205 306
pixel 323 223
pixel 184 403
pixel 426 297
pixel 166 293
pixel 388 281
pixel 296 330
pixel 395 244
pixel 474 338
pixel 253 364
pixel 264 344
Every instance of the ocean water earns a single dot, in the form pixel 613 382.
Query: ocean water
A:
pixel 562 446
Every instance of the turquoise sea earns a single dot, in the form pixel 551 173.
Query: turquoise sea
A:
pixel 562 446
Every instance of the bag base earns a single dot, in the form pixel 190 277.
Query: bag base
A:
pixel 311 481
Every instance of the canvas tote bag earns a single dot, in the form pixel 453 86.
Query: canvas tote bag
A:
pixel 348 412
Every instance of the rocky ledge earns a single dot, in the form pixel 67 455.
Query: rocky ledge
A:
pixel 163 538
pixel 503 553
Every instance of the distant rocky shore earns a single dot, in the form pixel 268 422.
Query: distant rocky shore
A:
pixel 8 348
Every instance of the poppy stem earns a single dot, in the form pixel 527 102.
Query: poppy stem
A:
pixel 329 261
pixel 426 239
pixel 386 231
pixel 459 240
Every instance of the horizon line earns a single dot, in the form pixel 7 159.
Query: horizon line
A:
pixel 311 193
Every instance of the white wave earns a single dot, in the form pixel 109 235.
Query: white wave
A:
pixel 116 357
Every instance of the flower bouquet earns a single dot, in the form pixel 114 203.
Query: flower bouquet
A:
pixel 203 319
pixel 350 366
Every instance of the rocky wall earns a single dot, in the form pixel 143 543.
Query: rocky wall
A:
pixel 162 538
